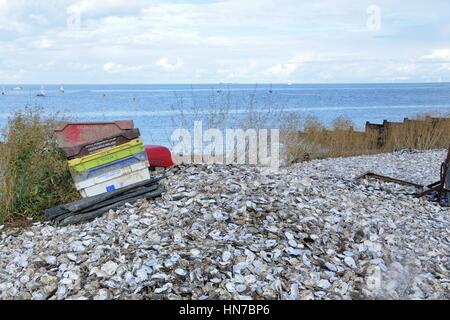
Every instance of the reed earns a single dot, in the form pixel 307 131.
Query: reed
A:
pixel 316 141
pixel 33 173
pixel 305 137
pixel 422 133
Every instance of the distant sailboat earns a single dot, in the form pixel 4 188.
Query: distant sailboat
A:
pixel 61 88
pixel 41 93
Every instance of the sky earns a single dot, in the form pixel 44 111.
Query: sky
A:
pixel 232 41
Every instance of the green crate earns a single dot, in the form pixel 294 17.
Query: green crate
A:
pixel 89 163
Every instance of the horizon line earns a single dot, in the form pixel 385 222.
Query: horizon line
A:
pixel 224 83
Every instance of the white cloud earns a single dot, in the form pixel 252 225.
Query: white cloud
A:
pixel 111 67
pixel 302 57
pixel 233 70
pixel 446 66
pixel 282 69
pixel 39 19
pixel 406 67
pixel 167 66
pixel 439 55
pixel 95 7
pixel 287 69
pixel 46 66
pixel 75 66
pixel 43 43
pixel 247 41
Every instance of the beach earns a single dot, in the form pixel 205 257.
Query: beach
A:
pixel 309 231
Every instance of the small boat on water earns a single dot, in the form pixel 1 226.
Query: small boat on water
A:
pixel 41 93
pixel 61 89
pixel 18 88
pixel 3 91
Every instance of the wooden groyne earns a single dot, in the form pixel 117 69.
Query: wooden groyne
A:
pixel 387 127
pixel 320 142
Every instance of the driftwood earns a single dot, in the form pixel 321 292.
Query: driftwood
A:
pixel 91 208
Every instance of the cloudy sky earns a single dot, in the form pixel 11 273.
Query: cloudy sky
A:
pixel 210 41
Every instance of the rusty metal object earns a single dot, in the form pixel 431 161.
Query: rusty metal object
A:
pixel 438 187
pixel 389 179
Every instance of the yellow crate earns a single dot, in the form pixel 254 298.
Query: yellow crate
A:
pixel 107 156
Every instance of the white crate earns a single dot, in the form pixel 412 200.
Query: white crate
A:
pixel 117 183
pixel 110 175
pixel 99 171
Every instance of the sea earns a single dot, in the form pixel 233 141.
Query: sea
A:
pixel 158 110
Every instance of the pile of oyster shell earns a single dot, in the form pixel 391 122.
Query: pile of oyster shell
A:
pixel 237 232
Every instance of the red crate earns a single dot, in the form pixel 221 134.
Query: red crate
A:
pixel 75 134
pixel 98 146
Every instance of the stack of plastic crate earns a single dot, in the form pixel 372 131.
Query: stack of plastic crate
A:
pixel 103 157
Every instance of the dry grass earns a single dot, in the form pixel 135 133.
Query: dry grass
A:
pixel 316 141
pixel 306 138
pixel 422 133
pixel 34 174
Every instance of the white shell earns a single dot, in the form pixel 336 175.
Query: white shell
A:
pixel 309 231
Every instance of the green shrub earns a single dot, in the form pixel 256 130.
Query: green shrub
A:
pixel 34 174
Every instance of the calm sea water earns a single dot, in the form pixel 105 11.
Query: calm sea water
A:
pixel 155 108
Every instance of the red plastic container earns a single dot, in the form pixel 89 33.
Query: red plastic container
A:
pixel 74 134
pixel 159 157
